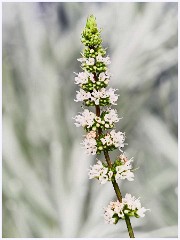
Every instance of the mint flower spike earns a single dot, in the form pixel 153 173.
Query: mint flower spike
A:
pixel 101 137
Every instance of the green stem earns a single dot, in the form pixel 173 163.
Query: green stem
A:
pixel 114 183
pixel 129 227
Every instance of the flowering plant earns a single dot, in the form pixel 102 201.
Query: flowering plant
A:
pixel 101 137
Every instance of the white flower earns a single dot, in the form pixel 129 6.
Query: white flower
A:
pixel 108 216
pixel 95 170
pixel 120 169
pixel 124 171
pixel 98 119
pixel 99 171
pixel 104 77
pixel 103 178
pixel 82 77
pixel 105 60
pixel 81 60
pixel 119 209
pixel 112 96
pixel 82 95
pixel 127 175
pixel 141 212
pixel 118 139
pixel 90 61
pixel 111 116
pixel 124 159
pixel 114 138
pixel 134 204
pixel 137 204
pixel 80 121
pixel 89 143
pixel 129 200
pixel 106 140
pixel 86 119
pixel 111 209
pixel 97 95
pixel 99 58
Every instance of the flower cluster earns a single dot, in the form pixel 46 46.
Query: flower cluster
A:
pixel 112 140
pixel 120 170
pixel 90 121
pixel 129 206
pixel 92 61
pixel 87 81
pixel 95 64
pixel 99 171
pixel 100 97
pixel 109 141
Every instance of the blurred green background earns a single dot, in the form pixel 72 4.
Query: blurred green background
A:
pixel 46 191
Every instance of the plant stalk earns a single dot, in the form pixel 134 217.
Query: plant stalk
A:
pixel 114 183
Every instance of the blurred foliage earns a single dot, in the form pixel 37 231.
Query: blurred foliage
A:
pixel 46 191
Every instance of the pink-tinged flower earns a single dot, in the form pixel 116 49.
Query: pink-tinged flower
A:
pixel 91 134
pixel 112 209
